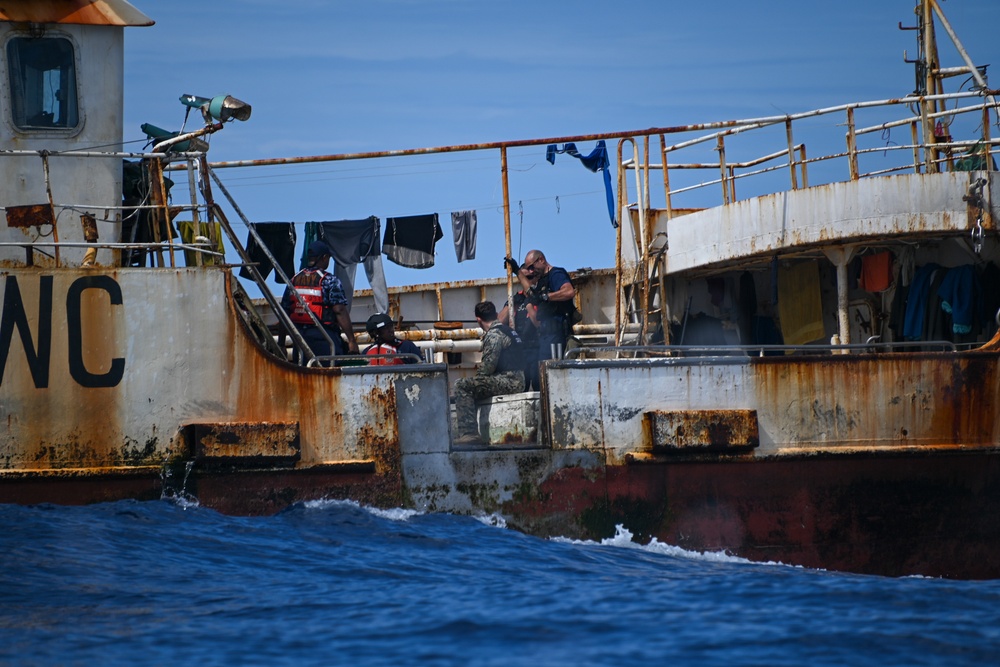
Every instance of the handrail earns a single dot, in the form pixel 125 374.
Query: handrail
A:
pixel 677 351
pixel 335 358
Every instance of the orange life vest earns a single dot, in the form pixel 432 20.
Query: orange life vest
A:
pixel 382 348
pixel 308 283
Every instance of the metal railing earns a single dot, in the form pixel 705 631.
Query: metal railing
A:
pixel 744 352
pixel 941 151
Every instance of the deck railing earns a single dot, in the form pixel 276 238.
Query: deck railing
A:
pixel 811 148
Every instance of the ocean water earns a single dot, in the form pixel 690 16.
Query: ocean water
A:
pixel 325 583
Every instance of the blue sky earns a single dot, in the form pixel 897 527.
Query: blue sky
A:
pixel 344 77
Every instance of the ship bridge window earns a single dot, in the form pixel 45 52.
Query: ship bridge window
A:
pixel 42 83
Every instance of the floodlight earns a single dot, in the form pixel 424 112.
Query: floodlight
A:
pixel 220 107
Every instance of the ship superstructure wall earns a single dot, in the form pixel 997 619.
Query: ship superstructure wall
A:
pixel 75 185
pixel 859 211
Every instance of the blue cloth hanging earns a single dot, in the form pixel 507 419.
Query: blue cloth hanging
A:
pixel 596 161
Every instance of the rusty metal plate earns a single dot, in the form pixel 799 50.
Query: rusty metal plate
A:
pixel 714 430
pixel 32 215
pixel 271 443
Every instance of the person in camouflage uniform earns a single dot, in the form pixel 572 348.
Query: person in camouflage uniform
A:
pixel 501 371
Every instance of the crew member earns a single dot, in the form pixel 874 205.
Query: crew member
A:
pixel 552 292
pixel 321 294
pixel 500 371
pixel 384 341
pixel 525 323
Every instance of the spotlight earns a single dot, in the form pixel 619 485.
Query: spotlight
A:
pixel 220 107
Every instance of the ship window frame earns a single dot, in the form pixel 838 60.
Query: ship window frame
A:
pixel 42 109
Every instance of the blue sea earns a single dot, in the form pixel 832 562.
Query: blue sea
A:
pixel 331 583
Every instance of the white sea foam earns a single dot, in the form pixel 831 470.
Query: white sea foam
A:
pixel 393 514
pixel 494 520
pixel 181 499
pixel 623 538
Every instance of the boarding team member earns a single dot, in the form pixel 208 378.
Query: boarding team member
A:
pixel 525 323
pixel 500 371
pixel 383 332
pixel 552 292
pixel 322 294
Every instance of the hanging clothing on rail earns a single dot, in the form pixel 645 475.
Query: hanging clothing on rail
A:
pixel 916 302
pixel 279 239
pixel 800 303
pixel 409 241
pixel 596 161
pixel 354 242
pixel 876 272
pixel 961 296
pixel 186 230
pixel 463 227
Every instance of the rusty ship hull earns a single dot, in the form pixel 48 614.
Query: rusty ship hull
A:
pixel 734 385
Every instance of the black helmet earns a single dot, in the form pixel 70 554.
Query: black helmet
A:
pixel 376 322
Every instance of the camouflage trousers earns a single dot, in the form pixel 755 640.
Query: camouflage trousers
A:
pixel 471 389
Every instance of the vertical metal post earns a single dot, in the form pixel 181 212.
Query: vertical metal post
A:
pixel 930 84
pixel 791 153
pixel 666 176
pixel 52 205
pixel 622 202
pixel 199 259
pixel 852 145
pixel 803 166
pixel 506 232
pixel 720 146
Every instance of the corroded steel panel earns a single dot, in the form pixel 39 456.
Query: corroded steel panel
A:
pixel 926 513
pixel 111 366
pixel 714 430
pixel 247 440
pixel 815 403
pixel 31 215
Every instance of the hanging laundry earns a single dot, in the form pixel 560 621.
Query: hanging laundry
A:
pixel 961 296
pixel 876 272
pixel 463 227
pixel 800 303
pixel 916 301
pixel 186 229
pixel 352 242
pixel 409 241
pixel 596 161
pixel 279 239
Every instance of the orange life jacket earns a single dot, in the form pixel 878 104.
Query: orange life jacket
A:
pixel 308 283
pixel 382 348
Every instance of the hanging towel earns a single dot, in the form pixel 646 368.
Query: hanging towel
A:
pixel 916 302
pixel 800 303
pixel 186 229
pixel 279 239
pixel 876 272
pixel 961 295
pixel 596 161
pixel 409 241
pixel 463 226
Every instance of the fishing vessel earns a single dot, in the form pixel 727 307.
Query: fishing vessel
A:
pixel 806 371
